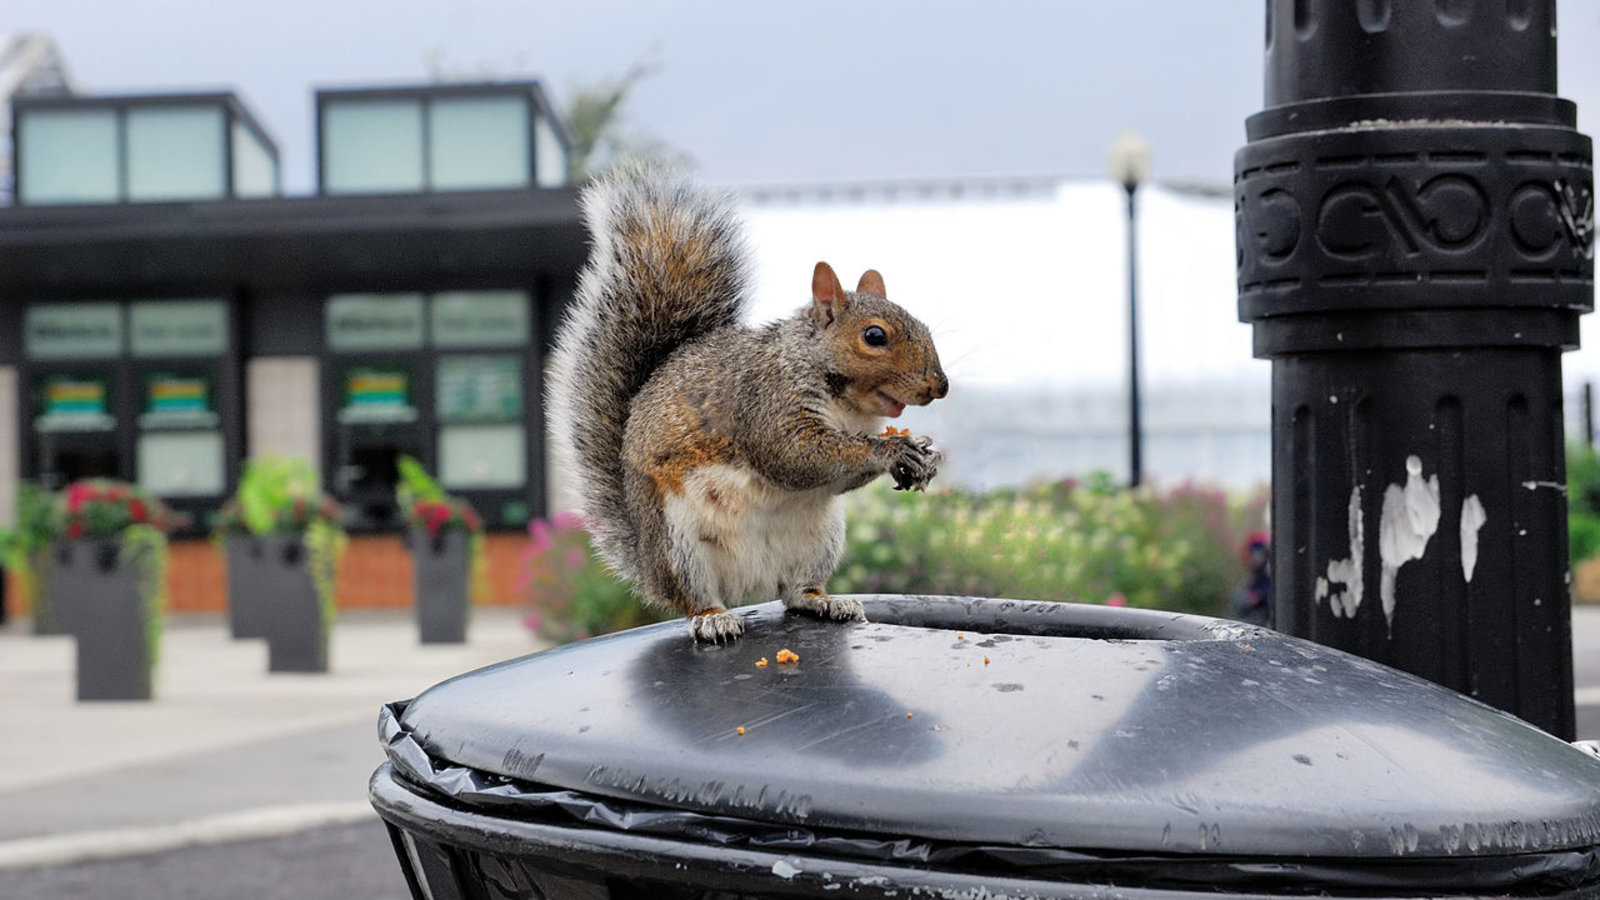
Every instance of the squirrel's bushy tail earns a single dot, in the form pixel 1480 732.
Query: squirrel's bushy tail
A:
pixel 667 264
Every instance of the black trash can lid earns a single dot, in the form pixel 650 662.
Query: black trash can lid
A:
pixel 1004 723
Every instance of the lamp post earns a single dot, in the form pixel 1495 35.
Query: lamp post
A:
pixel 1129 162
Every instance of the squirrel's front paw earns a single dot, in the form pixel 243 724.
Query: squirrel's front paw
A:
pixel 715 626
pixel 915 463
pixel 839 609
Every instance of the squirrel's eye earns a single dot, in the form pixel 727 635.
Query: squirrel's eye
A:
pixel 875 336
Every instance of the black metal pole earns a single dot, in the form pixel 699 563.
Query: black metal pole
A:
pixel 1415 245
pixel 1588 415
pixel 1135 443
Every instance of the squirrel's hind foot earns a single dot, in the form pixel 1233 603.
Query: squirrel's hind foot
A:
pixel 716 626
pixel 823 606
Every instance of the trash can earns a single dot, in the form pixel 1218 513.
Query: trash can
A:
pixel 955 747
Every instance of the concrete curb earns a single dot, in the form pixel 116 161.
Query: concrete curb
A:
pixel 245 825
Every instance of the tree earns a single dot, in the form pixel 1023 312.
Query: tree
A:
pixel 594 124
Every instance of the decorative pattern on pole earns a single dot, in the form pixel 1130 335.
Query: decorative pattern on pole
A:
pixel 1415 215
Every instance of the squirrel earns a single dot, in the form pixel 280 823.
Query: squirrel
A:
pixel 712 456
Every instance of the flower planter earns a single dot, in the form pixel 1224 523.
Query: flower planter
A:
pixel 47 618
pixel 442 567
pixel 97 595
pixel 248 606
pixel 297 630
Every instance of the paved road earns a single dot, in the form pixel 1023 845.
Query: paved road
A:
pixel 350 862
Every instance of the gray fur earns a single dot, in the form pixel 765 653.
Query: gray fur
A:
pixel 618 331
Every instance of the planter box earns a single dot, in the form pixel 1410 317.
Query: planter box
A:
pixel 297 635
pixel 47 617
pixel 248 606
pixel 97 596
pixel 442 567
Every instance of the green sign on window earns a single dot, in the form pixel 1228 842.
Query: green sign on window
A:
pixel 479 388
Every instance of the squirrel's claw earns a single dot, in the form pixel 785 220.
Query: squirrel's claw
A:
pixel 824 606
pixel 915 465
pixel 715 626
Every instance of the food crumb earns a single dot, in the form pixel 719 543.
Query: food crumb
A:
pixel 908 715
pixel 788 656
pixel 986 660
pixel 891 431
pixel 960 636
pixel 761 663
pixel 741 729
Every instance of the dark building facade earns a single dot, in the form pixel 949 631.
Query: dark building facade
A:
pixel 165 313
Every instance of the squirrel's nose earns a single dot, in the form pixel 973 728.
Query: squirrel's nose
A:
pixel 941 387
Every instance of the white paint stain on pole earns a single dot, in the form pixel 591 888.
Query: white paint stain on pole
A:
pixel 1472 519
pixel 1346 573
pixel 1410 518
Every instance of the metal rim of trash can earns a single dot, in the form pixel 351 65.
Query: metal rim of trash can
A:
pixel 579 839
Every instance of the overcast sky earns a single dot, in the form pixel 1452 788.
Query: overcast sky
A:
pixel 754 91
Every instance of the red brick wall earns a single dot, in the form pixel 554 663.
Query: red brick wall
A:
pixel 376 572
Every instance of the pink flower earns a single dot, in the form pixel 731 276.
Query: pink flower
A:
pixel 539 534
pixel 80 493
pixel 1117 599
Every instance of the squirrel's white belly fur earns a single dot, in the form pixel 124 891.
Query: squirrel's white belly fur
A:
pixel 738 539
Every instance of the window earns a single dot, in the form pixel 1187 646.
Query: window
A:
pixel 479 405
pixel 482 456
pixel 68 156
pixel 476 143
pixel 424 140
pixel 255 168
pixel 372 146
pixel 182 463
pixel 140 149
pixel 176 153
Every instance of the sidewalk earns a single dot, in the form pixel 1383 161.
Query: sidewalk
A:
pixel 226 751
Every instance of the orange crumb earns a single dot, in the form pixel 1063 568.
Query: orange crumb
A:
pixel 891 431
pixel 761 663
pixel 908 715
pixel 788 656
pixel 960 636
pixel 986 660
pixel 741 729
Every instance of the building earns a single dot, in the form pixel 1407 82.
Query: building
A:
pixel 166 313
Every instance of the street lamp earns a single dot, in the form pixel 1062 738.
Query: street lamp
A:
pixel 1129 162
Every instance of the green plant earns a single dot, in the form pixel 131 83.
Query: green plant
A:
pixel 431 511
pixel 276 495
pixel 100 508
pixel 325 546
pixel 1583 480
pixel 144 548
pixel 283 496
pixel 571 593
pixel 1090 541
pixel 27 552
pixel 1583 536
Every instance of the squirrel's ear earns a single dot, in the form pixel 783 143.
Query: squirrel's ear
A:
pixel 827 295
pixel 871 283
